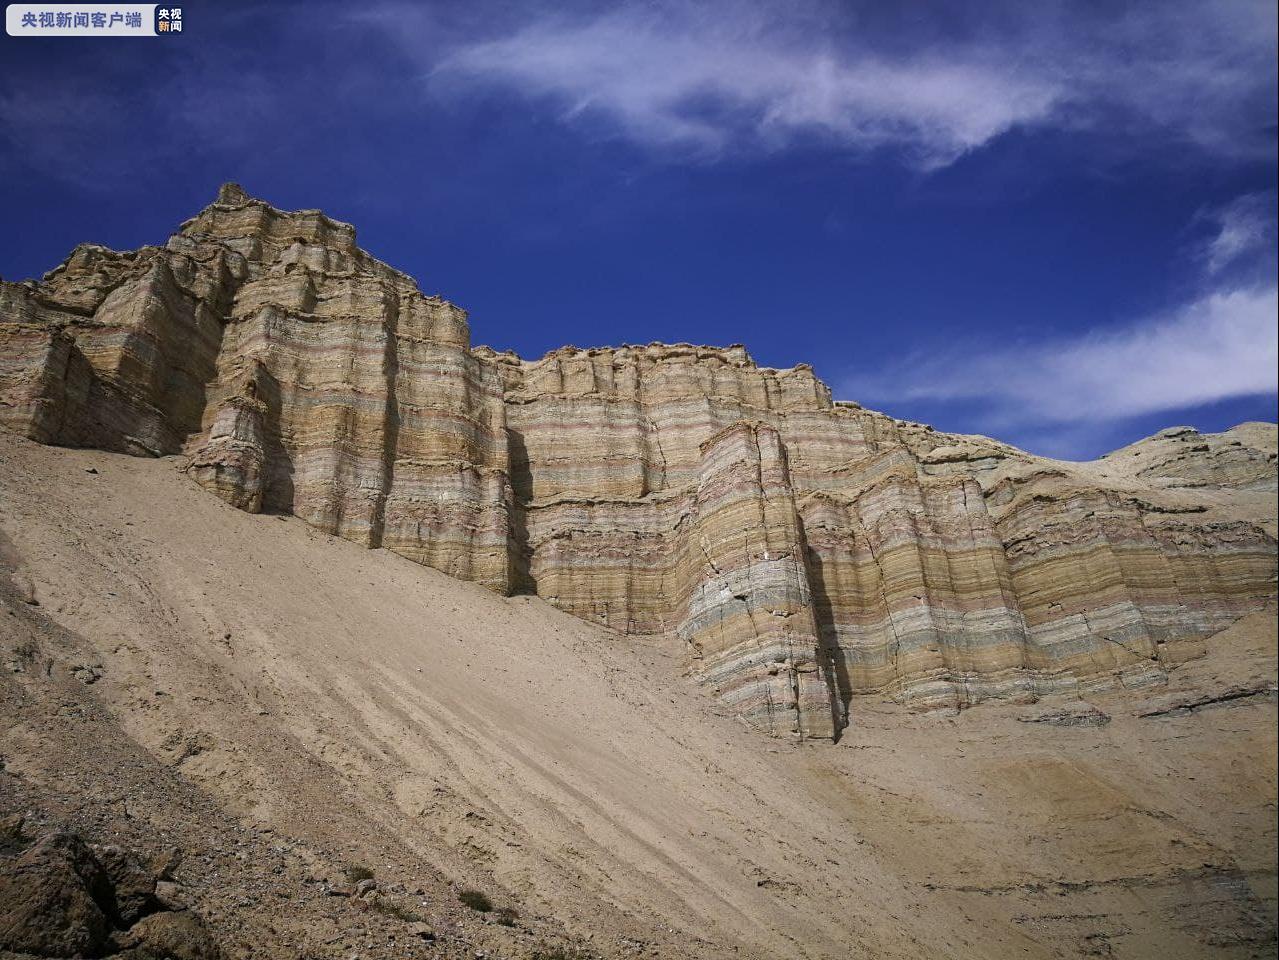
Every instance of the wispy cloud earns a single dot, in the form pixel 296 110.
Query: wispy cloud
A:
pixel 1245 233
pixel 1222 344
pixel 1218 347
pixel 705 84
pixel 710 79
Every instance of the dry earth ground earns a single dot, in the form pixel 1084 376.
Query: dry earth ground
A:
pixel 280 704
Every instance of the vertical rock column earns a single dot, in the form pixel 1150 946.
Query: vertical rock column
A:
pixel 231 461
pixel 33 365
pixel 448 498
pixel 750 614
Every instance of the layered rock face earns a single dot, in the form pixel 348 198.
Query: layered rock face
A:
pixel 806 551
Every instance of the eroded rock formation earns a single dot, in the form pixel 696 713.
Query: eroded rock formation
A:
pixel 805 550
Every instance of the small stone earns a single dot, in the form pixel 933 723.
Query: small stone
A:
pixel 165 863
pixel 170 894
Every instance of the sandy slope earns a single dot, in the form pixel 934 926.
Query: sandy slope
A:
pixel 376 711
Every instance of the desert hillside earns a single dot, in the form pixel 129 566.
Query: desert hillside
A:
pixel 281 705
pixel 329 634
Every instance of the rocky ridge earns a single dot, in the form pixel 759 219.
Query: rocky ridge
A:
pixel 807 551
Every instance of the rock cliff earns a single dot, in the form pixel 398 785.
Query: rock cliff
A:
pixel 806 550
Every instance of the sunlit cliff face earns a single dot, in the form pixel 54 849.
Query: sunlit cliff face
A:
pixel 806 551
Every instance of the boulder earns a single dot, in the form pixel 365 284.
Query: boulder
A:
pixel 55 900
pixel 172 935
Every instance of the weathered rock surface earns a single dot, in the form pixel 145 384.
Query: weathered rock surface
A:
pixel 806 550
pixel 1241 458
pixel 177 935
pixel 60 897
pixel 54 900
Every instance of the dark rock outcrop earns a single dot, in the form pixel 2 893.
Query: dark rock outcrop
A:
pixel 62 898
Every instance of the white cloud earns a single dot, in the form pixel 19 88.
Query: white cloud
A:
pixel 713 78
pixel 1218 347
pixel 1245 231
pixel 702 86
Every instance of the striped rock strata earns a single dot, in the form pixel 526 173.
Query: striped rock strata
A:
pixel 806 551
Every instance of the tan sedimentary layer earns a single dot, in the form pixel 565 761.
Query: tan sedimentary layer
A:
pixel 807 551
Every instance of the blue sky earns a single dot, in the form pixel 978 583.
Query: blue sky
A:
pixel 1053 223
